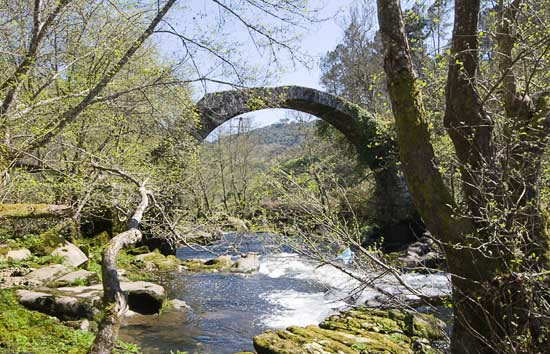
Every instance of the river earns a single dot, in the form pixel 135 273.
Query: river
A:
pixel 227 310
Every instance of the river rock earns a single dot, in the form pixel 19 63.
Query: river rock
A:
pixel 247 264
pixel 178 304
pixel 143 297
pixel 155 261
pixel 80 275
pixel 222 262
pixel 48 273
pixel 422 254
pixel 60 306
pixel 72 255
pixel 16 255
pixel 358 330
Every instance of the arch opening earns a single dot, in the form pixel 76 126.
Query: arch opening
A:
pixel 359 127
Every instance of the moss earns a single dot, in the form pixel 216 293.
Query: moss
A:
pixel 52 238
pixel 358 331
pixel 212 265
pixel 134 269
pixel 4 250
pixel 24 331
pixel 163 263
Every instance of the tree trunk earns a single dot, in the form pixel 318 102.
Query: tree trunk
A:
pixel 497 309
pixel 115 302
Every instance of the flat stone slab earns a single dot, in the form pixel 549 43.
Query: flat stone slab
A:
pixel 73 256
pixel 76 276
pixel 62 307
pixel 48 273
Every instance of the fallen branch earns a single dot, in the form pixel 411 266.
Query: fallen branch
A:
pixel 33 211
pixel 115 302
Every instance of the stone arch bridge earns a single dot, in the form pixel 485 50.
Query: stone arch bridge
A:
pixel 374 147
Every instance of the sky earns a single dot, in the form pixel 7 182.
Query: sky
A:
pixel 200 16
pixel 322 38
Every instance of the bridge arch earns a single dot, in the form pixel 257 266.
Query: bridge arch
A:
pixel 355 123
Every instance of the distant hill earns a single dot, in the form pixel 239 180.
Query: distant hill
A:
pixel 284 134
pixel 271 144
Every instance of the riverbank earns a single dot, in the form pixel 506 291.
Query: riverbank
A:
pixel 230 299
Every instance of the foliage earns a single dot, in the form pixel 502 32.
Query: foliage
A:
pixel 24 331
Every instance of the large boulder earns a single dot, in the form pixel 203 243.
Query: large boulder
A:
pixel 48 273
pixel 60 306
pixel 143 297
pixel 71 254
pixel 359 331
pixel 16 255
pixel 72 303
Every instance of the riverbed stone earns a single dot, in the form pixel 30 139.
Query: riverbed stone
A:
pixel 247 264
pixel 358 330
pixel 71 254
pixel 49 273
pixel 155 261
pixel 178 304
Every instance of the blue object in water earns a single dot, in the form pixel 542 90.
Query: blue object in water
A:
pixel 346 256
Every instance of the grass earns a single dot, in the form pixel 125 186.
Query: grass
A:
pixel 25 331
pixel 30 332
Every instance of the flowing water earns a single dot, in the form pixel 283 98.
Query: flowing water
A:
pixel 227 310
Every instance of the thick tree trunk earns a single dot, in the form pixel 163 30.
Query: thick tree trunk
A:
pixel 492 303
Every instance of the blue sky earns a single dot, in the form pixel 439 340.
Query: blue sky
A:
pixel 322 38
pixel 203 20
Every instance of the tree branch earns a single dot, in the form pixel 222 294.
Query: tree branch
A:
pixel 72 113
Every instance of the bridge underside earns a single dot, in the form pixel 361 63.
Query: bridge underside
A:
pixel 374 147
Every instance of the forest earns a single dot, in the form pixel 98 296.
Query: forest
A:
pixel 400 206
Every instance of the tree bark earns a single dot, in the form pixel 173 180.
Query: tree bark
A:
pixel 115 302
pixel 489 299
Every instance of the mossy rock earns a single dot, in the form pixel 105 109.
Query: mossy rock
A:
pixel 222 263
pixel 159 261
pixel 358 331
pixel 54 238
